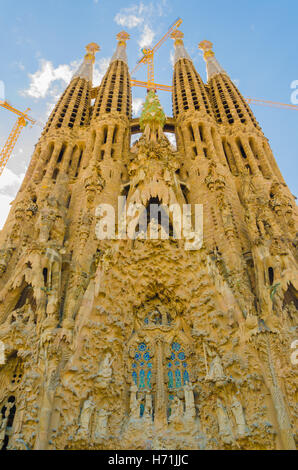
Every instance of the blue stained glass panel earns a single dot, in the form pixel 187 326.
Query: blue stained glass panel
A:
pixel 169 364
pixel 149 365
pixel 142 347
pixel 185 377
pixel 149 375
pixel 181 356
pixel 173 356
pixel 135 377
pixel 178 378
pixel 146 356
pixel 177 363
pixel 142 379
pixel 137 356
pixel 171 379
pixel 142 409
pixel 176 347
pixel 184 364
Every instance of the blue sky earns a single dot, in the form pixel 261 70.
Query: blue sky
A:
pixel 42 43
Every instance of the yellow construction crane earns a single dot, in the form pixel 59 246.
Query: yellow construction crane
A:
pixel 22 121
pixel 148 58
pixel 273 104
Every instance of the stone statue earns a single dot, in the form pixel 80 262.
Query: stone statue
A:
pixel 148 407
pixel 216 372
pixel 105 371
pixel 190 410
pixel 85 417
pixel 101 423
pixel 177 410
pixel 238 413
pixel 225 429
pixel 134 403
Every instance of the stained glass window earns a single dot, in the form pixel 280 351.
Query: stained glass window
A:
pixel 142 367
pixel 177 368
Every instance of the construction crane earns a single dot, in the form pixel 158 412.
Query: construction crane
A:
pixel 273 104
pixel 22 121
pixel 148 58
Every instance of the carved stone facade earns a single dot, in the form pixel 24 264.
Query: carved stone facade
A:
pixel 141 343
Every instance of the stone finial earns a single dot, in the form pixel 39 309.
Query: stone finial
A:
pixel 86 68
pixel 180 51
pixel 122 37
pixel 120 53
pixel 213 67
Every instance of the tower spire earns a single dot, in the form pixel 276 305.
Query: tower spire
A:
pixel 86 68
pixel 120 53
pixel 213 66
pixel 180 51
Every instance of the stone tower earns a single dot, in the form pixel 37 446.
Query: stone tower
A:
pixel 120 327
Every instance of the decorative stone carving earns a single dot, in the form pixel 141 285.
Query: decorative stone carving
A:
pixel 105 371
pixel 238 413
pixel 225 429
pixel 101 424
pixel 85 418
pixel 216 371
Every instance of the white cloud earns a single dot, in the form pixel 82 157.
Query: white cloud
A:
pixel 49 81
pixel 9 178
pixel 147 37
pixel 172 138
pixel 46 75
pixel 10 183
pixel 140 16
pixel 4 208
pixel 127 20
pixel 137 104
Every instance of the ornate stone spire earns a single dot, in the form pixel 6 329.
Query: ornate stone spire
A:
pixel 180 51
pixel 213 67
pixel 86 68
pixel 120 53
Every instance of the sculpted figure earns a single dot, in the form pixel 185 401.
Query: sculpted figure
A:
pixel 177 410
pixel 148 407
pixel 238 413
pixel 190 409
pixel 47 219
pixel 134 403
pixel 216 372
pixel 225 429
pixel 105 371
pixel 101 423
pixel 85 417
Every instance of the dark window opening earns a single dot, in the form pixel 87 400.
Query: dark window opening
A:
pixel 45 276
pixel 271 276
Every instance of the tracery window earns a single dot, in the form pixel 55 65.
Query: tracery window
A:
pixel 142 367
pixel 178 375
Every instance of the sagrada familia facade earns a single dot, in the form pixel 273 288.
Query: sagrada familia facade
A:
pixel 135 343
